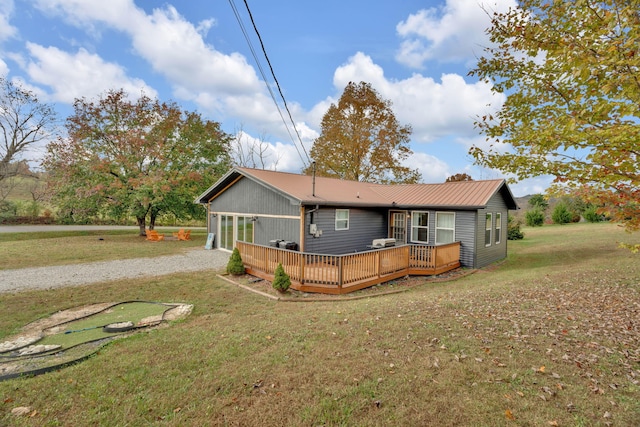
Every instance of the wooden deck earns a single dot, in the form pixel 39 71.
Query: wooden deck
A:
pixel 340 274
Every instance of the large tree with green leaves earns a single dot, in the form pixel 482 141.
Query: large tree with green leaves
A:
pixel 570 71
pixel 361 140
pixel 139 158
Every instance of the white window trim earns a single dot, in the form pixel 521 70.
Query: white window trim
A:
pixel 443 228
pixel 341 219
pixel 419 226
pixel 488 215
pixel 247 219
pixel 498 227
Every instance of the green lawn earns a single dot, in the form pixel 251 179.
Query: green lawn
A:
pixel 551 336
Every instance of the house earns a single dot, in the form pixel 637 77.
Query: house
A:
pixel 318 215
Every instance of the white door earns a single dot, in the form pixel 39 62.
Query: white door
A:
pixel 399 227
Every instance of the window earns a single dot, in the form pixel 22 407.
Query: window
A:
pixel 487 229
pixel 445 227
pixel 245 229
pixel 420 227
pixel 498 227
pixel 342 219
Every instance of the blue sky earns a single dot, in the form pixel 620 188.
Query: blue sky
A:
pixel 416 54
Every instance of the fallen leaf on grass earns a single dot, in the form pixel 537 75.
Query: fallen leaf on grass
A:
pixel 509 415
pixel 20 411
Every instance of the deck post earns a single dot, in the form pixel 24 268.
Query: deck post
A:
pixel 340 277
pixel 435 257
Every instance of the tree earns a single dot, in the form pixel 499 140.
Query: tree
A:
pixel 561 214
pixel 459 177
pixel 252 153
pixel 281 280
pixel 534 217
pixel 24 122
pixel 139 158
pixel 570 74
pixel 361 140
pixel 538 201
pixel 235 265
pixel 513 228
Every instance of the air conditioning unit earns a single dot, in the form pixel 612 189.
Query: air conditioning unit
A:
pixel 384 243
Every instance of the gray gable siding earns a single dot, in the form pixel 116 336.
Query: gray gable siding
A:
pixel 250 198
pixel 364 226
pixel 247 196
pixel 486 255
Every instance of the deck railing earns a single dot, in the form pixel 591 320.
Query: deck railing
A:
pixel 338 274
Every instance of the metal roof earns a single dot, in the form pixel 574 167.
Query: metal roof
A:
pixel 337 192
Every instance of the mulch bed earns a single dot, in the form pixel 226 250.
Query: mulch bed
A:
pixel 263 287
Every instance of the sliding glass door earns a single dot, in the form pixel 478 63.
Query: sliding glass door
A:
pixel 235 228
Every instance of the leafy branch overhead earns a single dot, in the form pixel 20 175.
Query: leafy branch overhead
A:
pixel 571 75
pixel 361 140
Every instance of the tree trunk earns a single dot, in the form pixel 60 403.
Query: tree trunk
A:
pixel 142 224
pixel 152 219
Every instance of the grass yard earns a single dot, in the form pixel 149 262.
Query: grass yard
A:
pixel 22 250
pixel 550 337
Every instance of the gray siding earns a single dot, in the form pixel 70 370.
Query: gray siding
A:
pixel 364 226
pixel 248 197
pixel 266 229
pixel 465 234
pixel 486 255
pixel 465 226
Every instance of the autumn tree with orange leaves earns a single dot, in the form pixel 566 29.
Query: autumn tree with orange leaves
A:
pixel 361 140
pixel 571 75
pixel 136 158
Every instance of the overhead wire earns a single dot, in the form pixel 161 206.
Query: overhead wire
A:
pixel 264 78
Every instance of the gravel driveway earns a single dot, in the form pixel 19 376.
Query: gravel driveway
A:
pixel 80 274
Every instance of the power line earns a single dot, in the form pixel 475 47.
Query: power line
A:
pixel 262 73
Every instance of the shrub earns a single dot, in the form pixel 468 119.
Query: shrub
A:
pixel 235 265
pixel 561 214
pixel 591 214
pixel 513 229
pixel 281 281
pixel 538 201
pixel 534 217
pixel 8 209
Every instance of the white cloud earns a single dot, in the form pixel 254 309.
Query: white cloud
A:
pixel 80 74
pixel 4 68
pixel 173 46
pixel 530 186
pixel 432 169
pixel 453 32
pixel 433 108
pixel 7 31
